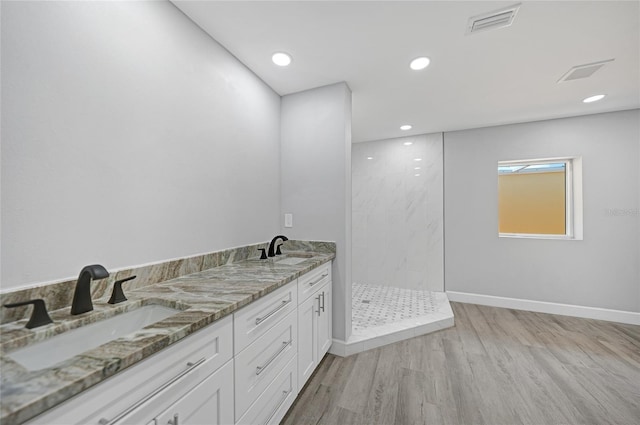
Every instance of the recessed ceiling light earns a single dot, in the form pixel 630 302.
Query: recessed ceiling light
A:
pixel 417 159
pixel 369 157
pixel 405 127
pixel 417 175
pixel 408 143
pixel 594 98
pixel 420 63
pixel 417 168
pixel 281 59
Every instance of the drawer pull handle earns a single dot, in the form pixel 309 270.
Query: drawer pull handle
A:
pixel 319 279
pixel 285 394
pixel 155 392
pixel 174 421
pixel 272 312
pixel 318 310
pixel 260 369
pixel 322 302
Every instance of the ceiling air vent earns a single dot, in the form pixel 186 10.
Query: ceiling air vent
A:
pixel 492 20
pixel 583 71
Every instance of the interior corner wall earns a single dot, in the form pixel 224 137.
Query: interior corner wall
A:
pixel 600 271
pixel 316 181
pixel 129 136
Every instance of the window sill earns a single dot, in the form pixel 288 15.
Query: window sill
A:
pixel 536 236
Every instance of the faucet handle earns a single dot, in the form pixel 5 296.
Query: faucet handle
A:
pixel 117 296
pixel 263 255
pixel 39 315
pixel 278 252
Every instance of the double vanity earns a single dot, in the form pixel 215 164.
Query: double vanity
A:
pixel 232 344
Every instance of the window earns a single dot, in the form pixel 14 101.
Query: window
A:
pixel 540 198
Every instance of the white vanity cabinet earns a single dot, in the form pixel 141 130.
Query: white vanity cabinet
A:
pixel 314 320
pixel 246 368
pixel 194 375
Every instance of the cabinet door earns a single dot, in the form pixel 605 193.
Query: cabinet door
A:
pixel 210 402
pixel 307 338
pixel 324 321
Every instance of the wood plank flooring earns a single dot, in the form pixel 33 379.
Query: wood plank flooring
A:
pixel 495 367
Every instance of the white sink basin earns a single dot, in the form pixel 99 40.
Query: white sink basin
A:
pixel 61 347
pixel 290 261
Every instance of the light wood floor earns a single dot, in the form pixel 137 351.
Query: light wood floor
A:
pixel 496 366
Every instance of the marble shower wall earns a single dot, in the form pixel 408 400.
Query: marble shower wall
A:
pixel 397 212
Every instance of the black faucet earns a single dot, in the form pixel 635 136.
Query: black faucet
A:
pixel 272 245
pixel 39 315
pixel 82 295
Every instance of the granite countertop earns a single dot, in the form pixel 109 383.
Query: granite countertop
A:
pixel 202 297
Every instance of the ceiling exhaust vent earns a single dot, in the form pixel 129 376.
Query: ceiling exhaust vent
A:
pixel 492 20
pixel 583 71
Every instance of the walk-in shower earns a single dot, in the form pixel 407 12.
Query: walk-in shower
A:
pixel 380 311
pixel 397 238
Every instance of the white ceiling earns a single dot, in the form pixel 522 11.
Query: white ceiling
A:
pixel 495 77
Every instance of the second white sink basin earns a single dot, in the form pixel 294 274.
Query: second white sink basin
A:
pixel 293 258
pixel 291 261
pixel 61 347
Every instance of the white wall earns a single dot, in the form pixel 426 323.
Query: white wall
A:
pixel 600 271
pixel 128 136
pixel 316 181
pixel 398 213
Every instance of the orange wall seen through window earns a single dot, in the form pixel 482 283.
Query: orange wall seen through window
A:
pixel 532 203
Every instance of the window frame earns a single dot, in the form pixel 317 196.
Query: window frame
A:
pixel 573 198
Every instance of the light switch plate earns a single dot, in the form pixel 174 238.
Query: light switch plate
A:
pixel 288 220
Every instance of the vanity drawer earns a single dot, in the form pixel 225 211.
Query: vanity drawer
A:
pixel 259 364
pixel 309 282
pixel 252 321
pixel 274 402
pixel 203 393
pixel 202 352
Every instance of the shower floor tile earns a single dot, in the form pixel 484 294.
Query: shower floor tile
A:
pixel 383 315
pixel 374 306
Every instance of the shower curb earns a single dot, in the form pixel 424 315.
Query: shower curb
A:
pixel 359 343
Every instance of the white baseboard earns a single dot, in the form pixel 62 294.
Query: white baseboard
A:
pixel 619 316
pixel 338 348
